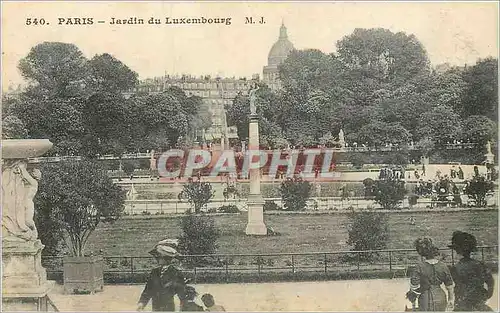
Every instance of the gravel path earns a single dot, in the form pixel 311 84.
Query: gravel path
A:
pixel 357 295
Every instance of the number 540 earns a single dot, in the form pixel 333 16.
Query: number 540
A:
pixel 35 21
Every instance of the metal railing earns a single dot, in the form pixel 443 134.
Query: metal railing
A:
pixel 174 206
pixel 148 155
pixel 322 264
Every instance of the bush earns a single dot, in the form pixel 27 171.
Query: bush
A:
pixel 412 199
pixel 231 208
pixel 295 192
pixel 270 206
pixel 367 231
pixel 389 192
pixel 199 236
pixel 357 160
pixel 477 189
pixel 129 166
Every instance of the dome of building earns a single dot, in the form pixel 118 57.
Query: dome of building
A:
pixel 280 49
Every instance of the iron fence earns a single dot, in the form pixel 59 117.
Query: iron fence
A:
pixel 394 262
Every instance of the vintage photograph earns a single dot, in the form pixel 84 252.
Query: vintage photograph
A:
pixel 249 156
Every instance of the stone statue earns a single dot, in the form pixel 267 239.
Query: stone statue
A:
pixel 488 147
pixel 341 139
pixel 253 99
pixel 18 191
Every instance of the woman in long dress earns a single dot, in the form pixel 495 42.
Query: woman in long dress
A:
pixel 427 278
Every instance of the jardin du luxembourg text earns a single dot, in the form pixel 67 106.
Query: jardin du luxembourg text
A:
pixel 134 20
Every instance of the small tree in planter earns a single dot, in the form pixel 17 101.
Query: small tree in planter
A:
pixel 198 193
pixel 478 188
pixel 295 192
pixel 389 193
pixel 80 195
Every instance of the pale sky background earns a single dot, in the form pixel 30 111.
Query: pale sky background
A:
pixel 456 33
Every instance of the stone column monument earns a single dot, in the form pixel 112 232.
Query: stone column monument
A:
pixel 255 225
pixel 24 280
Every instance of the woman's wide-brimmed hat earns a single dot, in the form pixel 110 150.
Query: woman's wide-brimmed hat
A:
pixel 174 243
pixel 165 248
pixel 463 241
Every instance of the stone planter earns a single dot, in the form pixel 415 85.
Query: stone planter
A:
pixel 83 274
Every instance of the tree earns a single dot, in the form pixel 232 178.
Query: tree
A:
pixel 13 128
pixel 57 69
pixel 58 119
pixel 389 193
pixel 106 121
pixel 426 146
pixel 110 75
pixel 441 124
pixel 76 196
pixel 383 56
pixel 305 69
pixel 295 192
pixel 367 231
pixel 238 115
pixel 199 237
pixel 198 193
pixel 378 134
pixel 480 96
pixel 479 129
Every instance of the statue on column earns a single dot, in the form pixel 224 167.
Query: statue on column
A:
pixel 341 138
pixel 253 99
pixel 18 190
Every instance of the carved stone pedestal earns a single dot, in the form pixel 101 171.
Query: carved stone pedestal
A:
pixel 255 225
pixel 24 284
pixel 24 280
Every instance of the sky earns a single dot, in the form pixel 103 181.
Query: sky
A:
pixel 454 32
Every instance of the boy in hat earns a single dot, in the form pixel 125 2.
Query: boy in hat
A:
pixel 165 281
pixel 187 300
pixel 470 276
pixel 209 302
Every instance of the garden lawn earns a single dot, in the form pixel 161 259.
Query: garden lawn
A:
pixel 298 232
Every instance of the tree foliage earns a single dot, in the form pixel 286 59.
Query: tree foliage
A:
pixel 389 193
pixel 295 192
pixel 478 188
pixel 79 105
pixel 480 96
pixel 199 236
pixel 198 193
pixel 367 231
pixel 379 88
pixel 76 196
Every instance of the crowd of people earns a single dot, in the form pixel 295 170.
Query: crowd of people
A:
pixel 469 283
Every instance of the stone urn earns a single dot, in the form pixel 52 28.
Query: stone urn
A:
pixel 24 280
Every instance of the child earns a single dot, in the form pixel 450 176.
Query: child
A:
pixel 187 300
pixel 209 302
